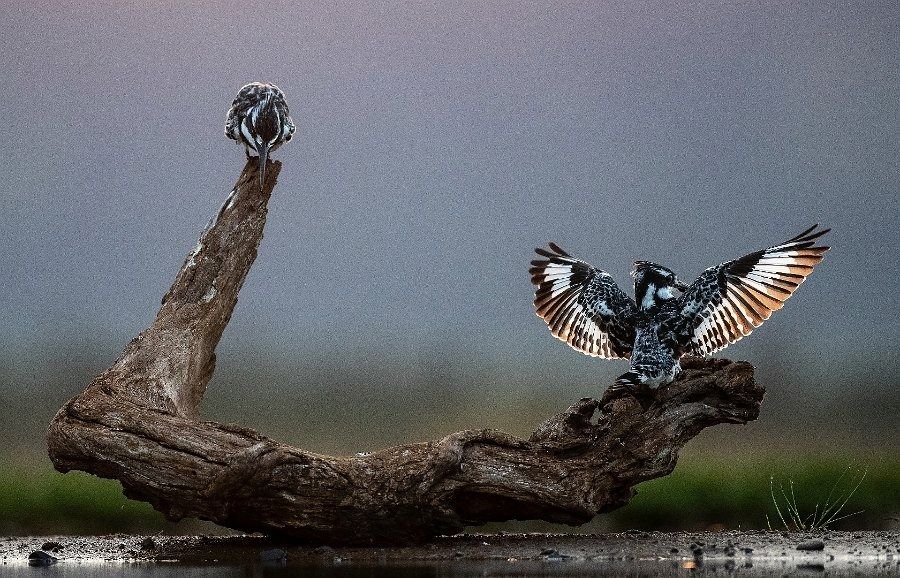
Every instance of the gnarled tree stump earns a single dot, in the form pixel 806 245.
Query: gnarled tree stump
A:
pixel 137 422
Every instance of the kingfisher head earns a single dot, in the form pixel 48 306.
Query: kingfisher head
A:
pixel 264 124
pixel 260 120
pixel 654 284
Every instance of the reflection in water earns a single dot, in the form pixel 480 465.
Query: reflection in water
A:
pixel 652 567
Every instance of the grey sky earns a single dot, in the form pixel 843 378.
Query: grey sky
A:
pixel 437 145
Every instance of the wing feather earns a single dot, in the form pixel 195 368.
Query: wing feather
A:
pixel 729 301
pixel 582 305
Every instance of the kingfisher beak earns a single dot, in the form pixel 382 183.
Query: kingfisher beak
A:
pixel 263 158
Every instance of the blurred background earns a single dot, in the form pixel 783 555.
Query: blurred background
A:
pixel 438 144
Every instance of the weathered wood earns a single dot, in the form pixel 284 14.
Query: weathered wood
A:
pixel 137 422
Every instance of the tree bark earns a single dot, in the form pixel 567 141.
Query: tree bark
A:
pixel 137 422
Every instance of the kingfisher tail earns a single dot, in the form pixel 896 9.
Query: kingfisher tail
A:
pixel 630 380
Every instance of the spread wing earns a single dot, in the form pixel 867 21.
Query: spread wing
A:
pixel 582 305
pixel 730 300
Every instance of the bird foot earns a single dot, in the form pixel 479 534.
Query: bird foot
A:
pixel 645 396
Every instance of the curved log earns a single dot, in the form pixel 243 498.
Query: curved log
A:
pixel 137 422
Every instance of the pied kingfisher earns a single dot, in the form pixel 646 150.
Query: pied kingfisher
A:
pixel 584 307
pixel 260 120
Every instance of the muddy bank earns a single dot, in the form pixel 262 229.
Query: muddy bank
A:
pixel 644 553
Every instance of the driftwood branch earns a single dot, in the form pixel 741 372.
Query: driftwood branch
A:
pixel 137 422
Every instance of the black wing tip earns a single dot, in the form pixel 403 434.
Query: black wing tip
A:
pixel 558 249
pixel 810 234
pixel 554 251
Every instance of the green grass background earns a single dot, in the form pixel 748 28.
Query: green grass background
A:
pixel 704 492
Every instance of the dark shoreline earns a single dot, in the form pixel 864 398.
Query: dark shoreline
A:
pixel 644 553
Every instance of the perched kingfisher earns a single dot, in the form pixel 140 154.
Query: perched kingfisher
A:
pixel 260 120
pixel 584 307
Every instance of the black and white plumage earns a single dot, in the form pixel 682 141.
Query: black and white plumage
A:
pixel 584 307
pixel 260 120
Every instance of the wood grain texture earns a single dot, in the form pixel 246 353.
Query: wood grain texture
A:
pixel 137 422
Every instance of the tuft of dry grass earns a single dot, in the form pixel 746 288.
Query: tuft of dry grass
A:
pixel 825 512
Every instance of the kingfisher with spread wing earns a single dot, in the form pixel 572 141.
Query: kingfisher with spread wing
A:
pixel 584 307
